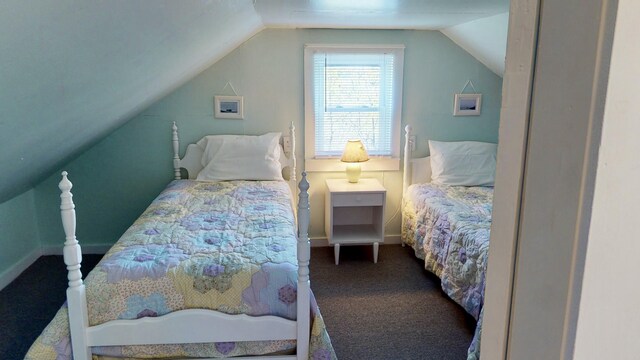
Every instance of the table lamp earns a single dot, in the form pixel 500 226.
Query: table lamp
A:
pixel 354 153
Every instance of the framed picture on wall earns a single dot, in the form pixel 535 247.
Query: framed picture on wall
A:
pixel 228 107
pixel 467 104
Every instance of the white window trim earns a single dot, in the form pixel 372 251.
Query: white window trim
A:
pixel 312 163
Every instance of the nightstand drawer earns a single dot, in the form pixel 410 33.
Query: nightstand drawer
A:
pixel 357 199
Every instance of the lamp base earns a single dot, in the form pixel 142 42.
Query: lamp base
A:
pixel 353 172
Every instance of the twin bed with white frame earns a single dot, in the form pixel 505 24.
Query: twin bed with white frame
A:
pixel 448 225
pixel 197 325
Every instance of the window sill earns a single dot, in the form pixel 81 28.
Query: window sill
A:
pixel 375 164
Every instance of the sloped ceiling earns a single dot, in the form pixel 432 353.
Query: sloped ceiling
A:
pixel 485 39
pixel 71 71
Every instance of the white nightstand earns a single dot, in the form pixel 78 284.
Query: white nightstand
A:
pixel 354 214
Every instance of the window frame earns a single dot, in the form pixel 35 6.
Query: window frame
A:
pixel 376 163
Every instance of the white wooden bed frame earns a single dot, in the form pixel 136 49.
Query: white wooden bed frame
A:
pixel 192 325
pixel 416 171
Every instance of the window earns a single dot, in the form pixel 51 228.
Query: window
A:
pixel 352 92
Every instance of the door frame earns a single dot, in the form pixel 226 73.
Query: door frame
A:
pixel 517 87
pixel 511 175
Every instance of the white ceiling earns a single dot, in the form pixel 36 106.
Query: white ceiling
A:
pixel 376 14
pixel 71 71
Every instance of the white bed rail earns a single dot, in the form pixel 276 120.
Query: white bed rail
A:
pixel 406 171
pixel 203 325
pixel 293 180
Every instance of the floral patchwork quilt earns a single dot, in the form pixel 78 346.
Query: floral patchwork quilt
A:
pixel 448 227
pixel 227 246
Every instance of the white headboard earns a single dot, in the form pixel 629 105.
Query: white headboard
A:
pixel 420 169
pixel 416 171
pixel 193 157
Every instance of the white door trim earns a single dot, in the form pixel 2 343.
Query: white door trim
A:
pixel 514 241
pixel 514 124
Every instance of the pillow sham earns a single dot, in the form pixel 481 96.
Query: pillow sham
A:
pixel 241 157
pixel 464 163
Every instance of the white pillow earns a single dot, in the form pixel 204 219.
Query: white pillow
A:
pixel 467 163
pixel 241 157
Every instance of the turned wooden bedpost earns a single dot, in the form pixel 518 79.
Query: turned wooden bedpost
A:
pixel 293 180
pixel 76 296
pixel 406 176
pixel 304 254
pixel 176 150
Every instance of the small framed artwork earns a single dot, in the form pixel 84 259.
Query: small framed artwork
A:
pixel 228 107
pixel 467 104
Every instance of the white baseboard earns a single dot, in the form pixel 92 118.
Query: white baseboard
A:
pixel 323 242
pixel 13 272
pixel 86 249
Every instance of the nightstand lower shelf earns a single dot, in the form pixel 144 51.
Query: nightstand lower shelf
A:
pixel 354 235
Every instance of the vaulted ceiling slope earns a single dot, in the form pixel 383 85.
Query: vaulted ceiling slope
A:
pixel 71 71
pixel 485 39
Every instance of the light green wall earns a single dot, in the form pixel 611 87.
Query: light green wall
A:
pixel 116 179
pixel 113 182
pixel 18 231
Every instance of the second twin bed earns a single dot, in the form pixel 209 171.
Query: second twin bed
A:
pixel 446 219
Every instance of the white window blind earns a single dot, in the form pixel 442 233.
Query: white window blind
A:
pixel 356 94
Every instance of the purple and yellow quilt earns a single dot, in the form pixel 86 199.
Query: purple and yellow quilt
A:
pixel 226 246
pixel 448 227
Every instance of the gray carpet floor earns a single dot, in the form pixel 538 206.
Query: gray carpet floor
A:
pixel 390 310
pixel 29 303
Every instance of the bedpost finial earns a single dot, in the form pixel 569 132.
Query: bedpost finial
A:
pixel 292 127
pixel 175 127
pixel 65 185
pixel 304 184
pixel 408 128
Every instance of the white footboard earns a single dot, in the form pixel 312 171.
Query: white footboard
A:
pixel 185 326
